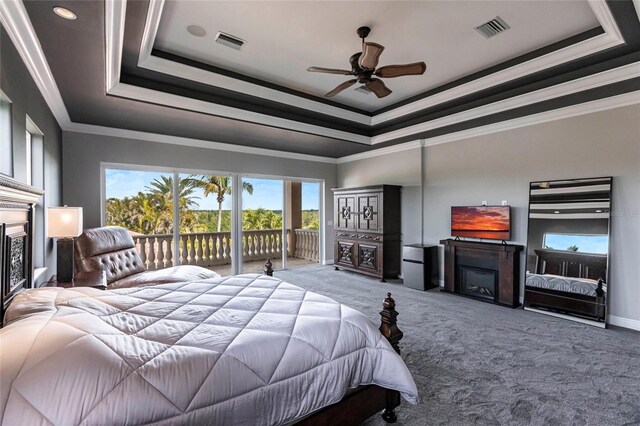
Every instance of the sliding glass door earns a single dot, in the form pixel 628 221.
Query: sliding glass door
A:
pixel 226 223
pixel 205 222
pixel 262 208
pixel 142 202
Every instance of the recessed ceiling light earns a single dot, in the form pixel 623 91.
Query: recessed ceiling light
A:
pixel 598 211
pixel 196 30
pixel 65 13
pixel 557 211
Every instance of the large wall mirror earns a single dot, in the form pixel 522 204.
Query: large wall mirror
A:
pixel 568 249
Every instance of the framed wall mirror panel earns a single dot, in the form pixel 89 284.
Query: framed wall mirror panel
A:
pixel 568 249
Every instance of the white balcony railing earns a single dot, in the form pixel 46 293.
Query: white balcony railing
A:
pixel 214 248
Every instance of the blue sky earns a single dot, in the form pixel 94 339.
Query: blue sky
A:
pixel 267 193
pixel 585 243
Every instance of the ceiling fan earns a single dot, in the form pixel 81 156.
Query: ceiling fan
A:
pixel 363 67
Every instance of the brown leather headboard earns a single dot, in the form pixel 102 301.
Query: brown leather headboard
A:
pixel 109 248
pixel 571 264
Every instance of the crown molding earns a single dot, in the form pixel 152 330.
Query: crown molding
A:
pixel 381 151
pixel 115 12
pixel 161 98
pixel 154 14
pixel 611 38
pixel 563 89
pixel 613 102
pixel 16 22
pixel 196 143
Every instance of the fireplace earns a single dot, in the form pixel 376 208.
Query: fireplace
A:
pixel 477 282
pixel 485 271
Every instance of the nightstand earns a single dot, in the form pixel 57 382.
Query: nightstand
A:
pixel 95 279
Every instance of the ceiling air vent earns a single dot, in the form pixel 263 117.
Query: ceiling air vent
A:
pixel 229 40
pixel 492 28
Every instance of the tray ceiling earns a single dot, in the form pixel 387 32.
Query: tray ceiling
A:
pixel 285 37
pixel 145 74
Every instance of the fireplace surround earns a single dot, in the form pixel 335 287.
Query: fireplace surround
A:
pixel 484 271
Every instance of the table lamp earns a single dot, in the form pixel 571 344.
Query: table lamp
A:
pixel 64 223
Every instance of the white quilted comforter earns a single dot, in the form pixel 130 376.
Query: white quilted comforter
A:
pixel 248 349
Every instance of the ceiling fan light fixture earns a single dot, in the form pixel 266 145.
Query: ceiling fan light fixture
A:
pixel 230 40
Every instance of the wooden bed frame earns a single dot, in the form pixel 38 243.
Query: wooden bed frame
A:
pixel 365 401
pixel 570 264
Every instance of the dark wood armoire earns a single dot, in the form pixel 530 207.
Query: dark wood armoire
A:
pixel 367 237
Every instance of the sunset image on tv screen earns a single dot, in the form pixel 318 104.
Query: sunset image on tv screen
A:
pixel 481 222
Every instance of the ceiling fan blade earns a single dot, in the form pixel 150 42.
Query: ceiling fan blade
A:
pixel 378 87
pixel 329 70
pixel 370 54
pixel 341 87
pixel 390 71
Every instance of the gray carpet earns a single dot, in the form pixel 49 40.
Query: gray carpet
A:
pixel 477 363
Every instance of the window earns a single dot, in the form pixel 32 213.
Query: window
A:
pixel 583 243
pixel 6 144
pixel 34 162
pixel 209 214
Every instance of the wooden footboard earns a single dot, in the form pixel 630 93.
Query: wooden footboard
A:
pixel 365 401
pixel 570 303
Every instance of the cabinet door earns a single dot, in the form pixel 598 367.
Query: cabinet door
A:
pixel 345 253
pixel 345 212
pixel 369 257
pixel 369 218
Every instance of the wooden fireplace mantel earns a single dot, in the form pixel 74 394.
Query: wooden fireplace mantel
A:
pixel 503 258
pixel 16 238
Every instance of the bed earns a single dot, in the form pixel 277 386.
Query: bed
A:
pixel 568 282
pixel 246 349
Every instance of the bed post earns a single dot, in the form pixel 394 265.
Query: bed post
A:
pixel 600 301
pixel 268 268
pixel 388 327
pixel 392 333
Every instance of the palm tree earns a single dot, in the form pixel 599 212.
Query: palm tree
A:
pixel 220 186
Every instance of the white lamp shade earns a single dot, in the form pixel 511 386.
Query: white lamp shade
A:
pixel 64 222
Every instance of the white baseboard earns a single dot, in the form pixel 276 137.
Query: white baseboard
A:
pixel 328 262
pixel 624 322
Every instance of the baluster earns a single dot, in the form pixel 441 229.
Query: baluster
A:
pixel 221 246
pixel 143 251
pixel 152 254
pixel 207 250
pixel 198 243
pixel 160 253
pixel 183 249
pixel 169 255
pixel 192 250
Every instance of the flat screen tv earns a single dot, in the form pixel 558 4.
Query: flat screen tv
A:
pixel 490 222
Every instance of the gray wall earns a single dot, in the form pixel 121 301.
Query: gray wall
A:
pixel 500 166
pixel 84 153
pixel 17 84
pixel 399 168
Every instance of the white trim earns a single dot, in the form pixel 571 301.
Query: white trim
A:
pixel 328 262
pixel 567 317
pixel 197 143
pixel 381 151
pixel 114 16
pixel 618 101
pixel 611 37
pixel 182 102
pixel 624 322
pixel 16 22
pixel 563 89
pixel 636 4
pixel 168 67
pixel 154 14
